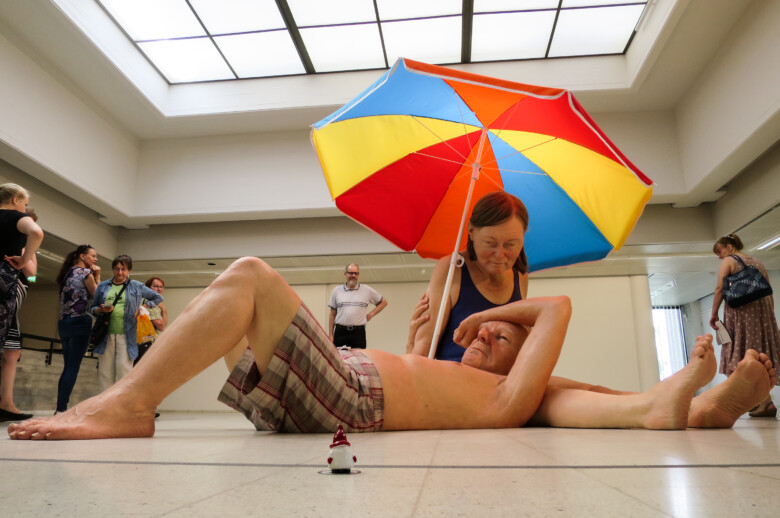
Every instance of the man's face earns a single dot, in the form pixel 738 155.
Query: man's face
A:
pixel 352 273
pixel 496 346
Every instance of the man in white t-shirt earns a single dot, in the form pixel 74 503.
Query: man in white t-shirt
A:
pixel 349 310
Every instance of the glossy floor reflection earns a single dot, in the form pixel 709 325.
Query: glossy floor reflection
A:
pixel 217 465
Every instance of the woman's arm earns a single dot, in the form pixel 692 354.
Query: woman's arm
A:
pixel 91 282
pixel 97 302
pixel 34 234
pixel 419 316
pixel 434 292
pixel 150 295
pixel 160 323
pixel 31 268
pixel 723 272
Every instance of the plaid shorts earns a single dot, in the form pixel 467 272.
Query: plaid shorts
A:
pixel 309 385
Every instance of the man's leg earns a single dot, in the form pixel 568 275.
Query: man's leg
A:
pixel 359 338
pixel 748 385
pixel 248 300
pixel 665 406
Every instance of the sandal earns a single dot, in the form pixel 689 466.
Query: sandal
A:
pixel 769 411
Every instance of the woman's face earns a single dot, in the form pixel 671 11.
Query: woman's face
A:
pixel 90 258
pixel 498 247
pixel 723 251
pixel 157 286
pixel 120 273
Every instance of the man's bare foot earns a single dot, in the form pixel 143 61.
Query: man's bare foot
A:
pixel 747 386
pixel 101 417
pixel 670 400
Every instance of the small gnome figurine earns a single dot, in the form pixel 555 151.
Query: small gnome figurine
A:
pixel 340 459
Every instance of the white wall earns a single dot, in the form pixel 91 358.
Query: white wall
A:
pixel 61 216
pixel 76 147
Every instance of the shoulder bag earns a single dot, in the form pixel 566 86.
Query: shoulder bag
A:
pixel 745 286
pixel 100 327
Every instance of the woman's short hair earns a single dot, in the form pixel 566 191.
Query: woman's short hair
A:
pixel 495 208
pixel 731 239
pixel 9 191
pixel 124 260
pixel 150 280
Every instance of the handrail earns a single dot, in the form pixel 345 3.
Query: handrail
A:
pixel 51 350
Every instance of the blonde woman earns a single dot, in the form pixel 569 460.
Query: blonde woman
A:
pixel 20 237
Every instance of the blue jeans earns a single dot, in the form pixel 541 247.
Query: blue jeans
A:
pixel 74 332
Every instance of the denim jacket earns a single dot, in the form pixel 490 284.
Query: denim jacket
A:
pixel 133 295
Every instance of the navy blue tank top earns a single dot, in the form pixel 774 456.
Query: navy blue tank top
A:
pixel 470 301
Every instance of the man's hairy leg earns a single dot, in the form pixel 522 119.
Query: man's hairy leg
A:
pixel 248 299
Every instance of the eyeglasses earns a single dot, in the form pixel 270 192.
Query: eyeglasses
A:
pixel 352 273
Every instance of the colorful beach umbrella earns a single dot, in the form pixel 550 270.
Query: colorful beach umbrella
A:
pixel 410 156
pixel 399 159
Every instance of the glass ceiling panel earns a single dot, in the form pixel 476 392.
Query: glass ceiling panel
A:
pixel 344 47
pixel 184 61
pixel 261 54
pixel 308 13
pixel 415 39
pixel 591 3
pixel 154 19
pixel 603 30
pixel 233 16
pixel 341 35
pixel 493 6
pixel 405 9
pixel 511 35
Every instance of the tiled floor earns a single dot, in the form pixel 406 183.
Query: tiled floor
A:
pixel 217 465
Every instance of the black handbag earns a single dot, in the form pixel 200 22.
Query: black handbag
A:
pixel 100 327
pixel 745 286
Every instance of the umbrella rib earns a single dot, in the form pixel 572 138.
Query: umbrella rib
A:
pixel 438 157
pixel 445 142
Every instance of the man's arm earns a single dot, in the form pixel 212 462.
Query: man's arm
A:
pixel 379 307
pixel 331 323
pixel 519 396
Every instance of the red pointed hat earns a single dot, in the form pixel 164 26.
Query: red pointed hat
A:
pixel 339 438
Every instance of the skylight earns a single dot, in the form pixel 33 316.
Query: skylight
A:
pixel 215 40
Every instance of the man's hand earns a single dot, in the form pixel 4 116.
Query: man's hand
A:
pixel 468 329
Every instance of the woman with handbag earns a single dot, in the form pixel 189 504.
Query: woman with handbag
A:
pixel 20 237
pixel 749 312
pixel 119 300
pixel 78 279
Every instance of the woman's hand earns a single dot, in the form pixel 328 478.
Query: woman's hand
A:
pixel 712 322
pixel 105 309
pixel 15 261
pixel 95 271
pixel 419 317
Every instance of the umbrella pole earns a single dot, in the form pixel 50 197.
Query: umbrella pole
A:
pixel 475 169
